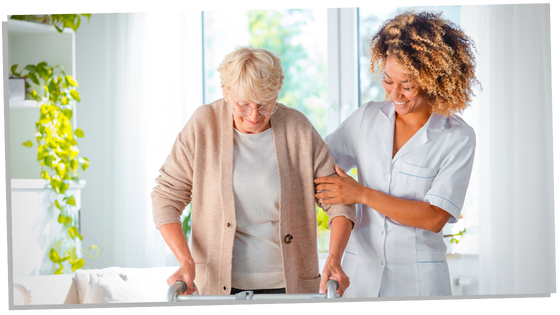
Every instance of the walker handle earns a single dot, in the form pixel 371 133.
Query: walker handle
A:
pixel 176 289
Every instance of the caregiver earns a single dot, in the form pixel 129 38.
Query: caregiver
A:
pixel 413 155
pixel 248 163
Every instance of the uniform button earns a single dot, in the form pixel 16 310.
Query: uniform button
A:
pixel 288 238
pixel 229 224
pixel 382 263
pixel 382 232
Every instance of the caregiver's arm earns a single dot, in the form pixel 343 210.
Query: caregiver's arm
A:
pixel 345 190
pixel 173 235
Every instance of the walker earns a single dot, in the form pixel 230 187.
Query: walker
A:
pixel 180 286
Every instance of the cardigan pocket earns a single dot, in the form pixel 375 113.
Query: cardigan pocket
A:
pixel 201 278
pixel 309 285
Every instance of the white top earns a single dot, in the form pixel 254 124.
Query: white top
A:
pixel 384 257
pixel 257 257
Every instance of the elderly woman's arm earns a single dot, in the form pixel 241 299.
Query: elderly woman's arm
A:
pixel 340 233
pixel 173 235
pixel 170 197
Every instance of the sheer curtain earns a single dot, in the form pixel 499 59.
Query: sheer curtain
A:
pixel 158 84
pixel 515 148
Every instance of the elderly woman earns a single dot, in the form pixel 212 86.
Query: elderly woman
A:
pixel 413 155
pixel 248 163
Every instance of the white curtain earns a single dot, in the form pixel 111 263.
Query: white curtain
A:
pixel 514 148
pixel 158 84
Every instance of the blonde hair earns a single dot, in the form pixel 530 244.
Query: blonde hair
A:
pixel 436 55
pixel 254 74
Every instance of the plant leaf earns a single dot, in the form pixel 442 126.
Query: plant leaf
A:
pixel 30 68
pixel 72 232
pixel 79 264
pixel 13 70
pixel 74 165
pixel 70 81
pixel 53 255
pixel 59 271
pixel 28 144
pixel 79 133
pixel 75 95
pixel 71 201
pixel 85 163
pixel 63 187
pixel 88 15
pixel 48 161
pixel 33 78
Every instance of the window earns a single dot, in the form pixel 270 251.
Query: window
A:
pixel 299 37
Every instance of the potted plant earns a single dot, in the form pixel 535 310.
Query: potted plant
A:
pixel 58 153
pixel 59 21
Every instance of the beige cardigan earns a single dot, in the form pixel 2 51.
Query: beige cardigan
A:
pixel 201 164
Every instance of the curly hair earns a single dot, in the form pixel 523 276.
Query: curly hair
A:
pixel 434 53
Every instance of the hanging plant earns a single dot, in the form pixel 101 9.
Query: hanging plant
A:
pixel 59 21
pixel 57 151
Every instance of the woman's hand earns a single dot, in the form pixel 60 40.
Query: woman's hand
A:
pixel 333 270
pixel 340 190
pixel 185 273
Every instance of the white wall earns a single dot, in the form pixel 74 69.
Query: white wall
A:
pixel 94 46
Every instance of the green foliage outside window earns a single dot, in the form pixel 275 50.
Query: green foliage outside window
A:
pixel 59 21
pixel 305 82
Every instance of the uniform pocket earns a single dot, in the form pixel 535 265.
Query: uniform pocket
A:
pixel 309 285
pixel 413 181
pixel 201 278
pixel 433 274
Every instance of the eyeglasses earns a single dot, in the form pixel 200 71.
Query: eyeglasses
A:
pixel 244 110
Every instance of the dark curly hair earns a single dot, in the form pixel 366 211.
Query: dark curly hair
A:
pixel 434 53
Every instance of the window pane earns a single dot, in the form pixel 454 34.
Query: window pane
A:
pixel 299 37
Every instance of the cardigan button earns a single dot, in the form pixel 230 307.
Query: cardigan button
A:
pixel 229 224
pixel 288 238
pixel 225 288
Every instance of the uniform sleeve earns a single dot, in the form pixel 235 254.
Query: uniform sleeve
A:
pixel 172 193
pixel 343 141
pixel 449 188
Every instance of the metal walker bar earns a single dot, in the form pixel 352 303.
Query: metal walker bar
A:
pixel 173 294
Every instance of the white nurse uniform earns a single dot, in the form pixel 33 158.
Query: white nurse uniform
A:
pixel 384 257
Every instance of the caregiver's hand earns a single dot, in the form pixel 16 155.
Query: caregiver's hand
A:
pixel 186 274
pixel 340 190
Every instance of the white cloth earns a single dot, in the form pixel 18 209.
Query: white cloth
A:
pixel 384 257
pixel 257 257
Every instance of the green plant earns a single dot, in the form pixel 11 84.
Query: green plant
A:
pixel 59 21
pixel 322 228
pixel 187 223
pixel 58 152
pixel 453 239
